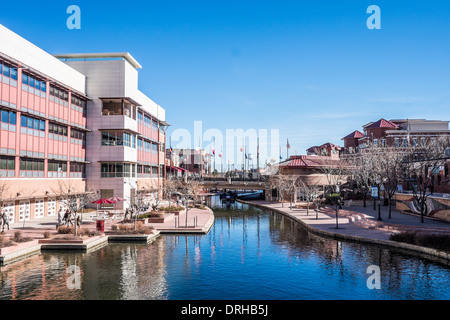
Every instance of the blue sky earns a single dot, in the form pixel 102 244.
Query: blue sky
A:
pixel 311 69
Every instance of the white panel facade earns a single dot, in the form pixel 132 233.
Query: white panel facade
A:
pixel 22 50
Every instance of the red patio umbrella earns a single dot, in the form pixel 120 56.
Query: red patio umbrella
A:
pixel 102 201
pixel 116 199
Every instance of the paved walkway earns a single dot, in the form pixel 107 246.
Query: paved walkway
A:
pixel 37 227
pixel 347 225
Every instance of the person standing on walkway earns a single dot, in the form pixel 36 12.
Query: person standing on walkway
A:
pixel 60 217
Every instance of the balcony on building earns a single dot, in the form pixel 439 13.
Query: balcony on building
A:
pixel 119 113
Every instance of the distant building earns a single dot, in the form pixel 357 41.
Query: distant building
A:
pixel 194 161
pixel 395 133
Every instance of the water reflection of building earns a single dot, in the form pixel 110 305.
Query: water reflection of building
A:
pixel 110 273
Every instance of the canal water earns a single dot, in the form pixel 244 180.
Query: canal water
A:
pixel 249 254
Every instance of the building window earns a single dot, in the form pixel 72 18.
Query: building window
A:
pixel 8 71
pixel 415 142
pixel 34 82
pixel 77 170
pixel 8 117
pixel 7 166
pixel 405 142
pixel 383 143
pixel 118 170
pixel 59 93
pixel 79 104
pixel 118 138
pixel 57 169
pixel 31 167
pixel 397 142
pixel 57 129
pixel 375 142
pixel 32 123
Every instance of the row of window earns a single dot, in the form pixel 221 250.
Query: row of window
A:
pixel 146 170
pixel 57 129
pixel 76 134
pixel 32 123
pixel 118 170
pixel 147 146
pixel 401 142
pixel 7 163
pixel 8 71
pixel 34 82
pixel 118 138
pixel 78 102
pixel 59 93
pixel 147 121
pixel 8 117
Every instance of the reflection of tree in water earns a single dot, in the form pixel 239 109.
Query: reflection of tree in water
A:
pixel 349 261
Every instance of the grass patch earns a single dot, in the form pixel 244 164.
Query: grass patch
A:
pixel 433 241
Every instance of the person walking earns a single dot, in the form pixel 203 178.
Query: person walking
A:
pixel 66 217
pixel 60 218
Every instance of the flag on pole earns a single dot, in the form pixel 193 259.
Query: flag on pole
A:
pixel 220 155
pixel 213 152
pixel 288 145
pixel 242 149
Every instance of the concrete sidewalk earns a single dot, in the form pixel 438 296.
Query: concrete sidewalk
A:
pixel 326 220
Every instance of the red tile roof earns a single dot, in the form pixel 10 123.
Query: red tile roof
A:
pixel 354 135
pixel 382 123
pixel 307 161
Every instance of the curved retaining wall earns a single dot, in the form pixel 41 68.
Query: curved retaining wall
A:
pixel 428 253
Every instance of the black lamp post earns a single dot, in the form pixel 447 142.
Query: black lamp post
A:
pixel 379 201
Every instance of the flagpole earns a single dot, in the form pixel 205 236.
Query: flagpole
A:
pixel 287 149
pixel 257 155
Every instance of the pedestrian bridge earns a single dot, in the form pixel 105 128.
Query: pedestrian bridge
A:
pixel 234 185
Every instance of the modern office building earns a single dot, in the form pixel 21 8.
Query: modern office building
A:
pixel 73 126
pixel 126 144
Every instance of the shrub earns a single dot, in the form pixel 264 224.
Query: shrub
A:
pixel 5 242
pixel 88 232
pixel 47 235
pixel 172 208
pixel 19 238
pixel 129 229
pixel 80 231
pixel 434 241
pixel 66 230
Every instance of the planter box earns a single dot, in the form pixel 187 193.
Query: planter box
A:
pixel 19 251
pixel 18 247
pixel 155 220
pixel 85 244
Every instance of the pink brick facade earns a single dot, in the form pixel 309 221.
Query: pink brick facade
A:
pixel 42 140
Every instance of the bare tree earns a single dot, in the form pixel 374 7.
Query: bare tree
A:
pixel 422 164
pixel 77 198
pixel 309 190
pixel 336 173
pixel 388 167
pixel 170 186
pixel 361 166
pixel 191 189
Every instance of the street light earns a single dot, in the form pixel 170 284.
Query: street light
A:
pixel 379 201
